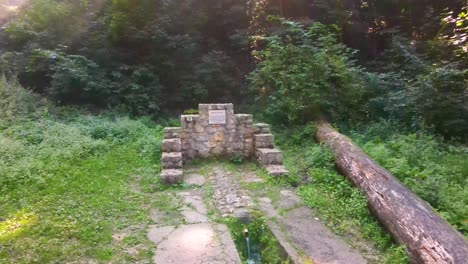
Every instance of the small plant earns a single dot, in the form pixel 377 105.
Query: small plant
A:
pixel 236 159
pixel 264 248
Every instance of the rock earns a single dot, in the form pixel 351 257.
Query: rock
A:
pixel 171 176
pixel 276 170
pixel 198 128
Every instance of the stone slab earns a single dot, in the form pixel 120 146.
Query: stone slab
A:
pixel 264 141
pixel 261 125
pixel 311 241
pixel 197 244
pixel 193 217
pixel 316 241
pixel 268 156
pixel 194 200
pixel 267 137
pixel 171 156
pixel 276 170
pixel 171 176
pixel 288 200
pixel 172 145
pixel 251 177
pixel 194 179
pixel 172 130
pixel 157 234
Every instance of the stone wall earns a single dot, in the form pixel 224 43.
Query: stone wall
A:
pixel 200 139
pixel 217 131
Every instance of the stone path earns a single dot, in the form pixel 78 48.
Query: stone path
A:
pixel 197 243
pixel 197 239
pixel 299 232
pixel 229 198
pixel 302 235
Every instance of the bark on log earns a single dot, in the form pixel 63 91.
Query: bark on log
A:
pixel 410 220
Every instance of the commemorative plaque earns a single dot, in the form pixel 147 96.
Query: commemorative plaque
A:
pixel 217 117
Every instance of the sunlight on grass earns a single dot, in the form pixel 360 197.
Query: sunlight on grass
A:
pixel 16 224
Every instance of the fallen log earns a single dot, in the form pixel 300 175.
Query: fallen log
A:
pixel 411 221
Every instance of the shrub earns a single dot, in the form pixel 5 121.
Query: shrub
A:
pixel 304 73
pixel 434 170
pixel 77 80
pixel 17 104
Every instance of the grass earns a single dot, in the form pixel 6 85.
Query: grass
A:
pixel 264 248
pixel 435 170
pixel 340 206
pixel 75 187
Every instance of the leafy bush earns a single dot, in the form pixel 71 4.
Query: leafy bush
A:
pixel 77 80
pixel 34 143
pixel 419 92
pixel 236 159
pixel 441 97
pixel 435 171
pixel 17 104
pixel 47 23
pixel 305 74
pixel 139 57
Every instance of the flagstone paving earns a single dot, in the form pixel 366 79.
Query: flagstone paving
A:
pixel 197 241
pixel 198 238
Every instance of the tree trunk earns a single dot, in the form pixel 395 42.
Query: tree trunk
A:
pixel 411 221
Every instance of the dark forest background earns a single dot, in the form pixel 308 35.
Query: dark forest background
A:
pixel 355 60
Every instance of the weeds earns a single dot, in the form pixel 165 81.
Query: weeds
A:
pixel 434 170
pixel 340 206
pixel 66 183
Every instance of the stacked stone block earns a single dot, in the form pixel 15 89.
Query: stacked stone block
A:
pixel 171 156
pixel 265 152
pixel 197 138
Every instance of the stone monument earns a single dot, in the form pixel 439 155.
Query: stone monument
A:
pixel 217 131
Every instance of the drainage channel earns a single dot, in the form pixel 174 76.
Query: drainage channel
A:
pixel 254 241
pixel 249 229
pixel 283 230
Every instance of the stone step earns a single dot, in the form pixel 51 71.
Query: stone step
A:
pixel 171 176
pixel 264 140
pixel 171 132
pixel 261 128
pixel 276 170
pixel 269 156
pixel 172 145
pixel 171 160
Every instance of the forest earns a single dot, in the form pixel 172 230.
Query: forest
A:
pixel 86 87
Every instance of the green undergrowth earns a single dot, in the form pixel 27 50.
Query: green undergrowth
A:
pixel 263 246
pixel 340 206
pixel 435 170
pixel 74 186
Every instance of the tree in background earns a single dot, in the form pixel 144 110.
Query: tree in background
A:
pixel 306 74
pixel 139 55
